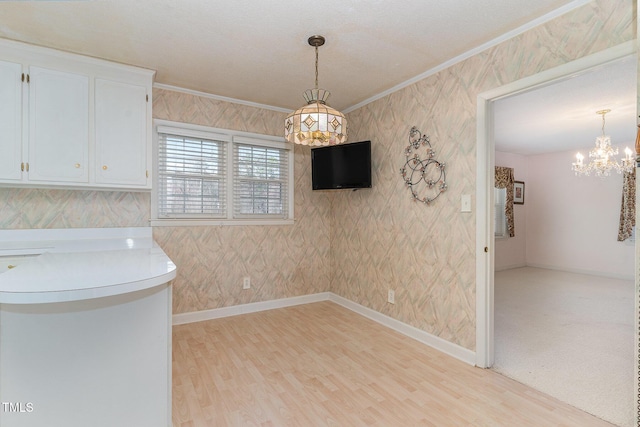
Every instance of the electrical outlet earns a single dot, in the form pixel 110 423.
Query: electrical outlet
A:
pixel 391 297
pixel 246 283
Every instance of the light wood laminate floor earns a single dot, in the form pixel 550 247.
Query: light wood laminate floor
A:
pixel 322 365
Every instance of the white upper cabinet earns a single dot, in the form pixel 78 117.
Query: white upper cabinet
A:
pixel 121 112
pixel 10 121
pixel 73 122
pixel 58 126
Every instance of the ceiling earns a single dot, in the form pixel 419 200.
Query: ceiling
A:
pixel 256 51
pixel 562 116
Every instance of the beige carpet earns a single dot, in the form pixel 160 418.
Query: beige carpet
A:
pixel 570 336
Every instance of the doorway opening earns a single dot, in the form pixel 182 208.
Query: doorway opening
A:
pixel 485 259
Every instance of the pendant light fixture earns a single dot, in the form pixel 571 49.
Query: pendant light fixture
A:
pixel 603 157
pixel 316 123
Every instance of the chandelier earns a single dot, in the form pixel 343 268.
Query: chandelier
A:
pixel 316 123
pixel 603 156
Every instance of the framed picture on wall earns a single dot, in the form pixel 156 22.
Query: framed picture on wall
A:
pixel 518 192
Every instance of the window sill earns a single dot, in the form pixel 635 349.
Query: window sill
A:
pixel 217 222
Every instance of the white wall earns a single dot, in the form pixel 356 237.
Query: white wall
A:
pixel 511 252
pixel 572 222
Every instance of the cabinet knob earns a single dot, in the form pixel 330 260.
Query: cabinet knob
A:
pixel 77 165
pixel 104 168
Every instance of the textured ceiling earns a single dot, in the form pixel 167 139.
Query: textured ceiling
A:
pixel 562 116
pixel 257 50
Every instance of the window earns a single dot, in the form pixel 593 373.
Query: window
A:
pixel 191 177
pixel 217 176
pixel 500 200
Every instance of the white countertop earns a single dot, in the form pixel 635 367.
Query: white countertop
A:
pixel 58 265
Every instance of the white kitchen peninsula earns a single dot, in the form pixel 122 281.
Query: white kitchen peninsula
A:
pixel 85 328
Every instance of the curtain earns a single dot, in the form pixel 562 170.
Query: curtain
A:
pixel 628 208
pixel 504 179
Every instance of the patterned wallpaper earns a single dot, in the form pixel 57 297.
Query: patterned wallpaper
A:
pixel 356 244
pixel 282 261
pixel 39 208
pixel 381 239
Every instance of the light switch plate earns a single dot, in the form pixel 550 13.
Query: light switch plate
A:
pixel 465 203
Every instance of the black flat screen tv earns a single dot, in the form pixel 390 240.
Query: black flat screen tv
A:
pixel 341 166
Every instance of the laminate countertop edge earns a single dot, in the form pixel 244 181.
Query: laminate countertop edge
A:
pixel 63 265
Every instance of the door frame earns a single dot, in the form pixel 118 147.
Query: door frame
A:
pixel 485 163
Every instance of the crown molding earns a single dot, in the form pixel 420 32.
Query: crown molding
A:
pixel 220 98
pixel 506 36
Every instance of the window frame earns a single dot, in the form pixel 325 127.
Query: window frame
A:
pixel 229 137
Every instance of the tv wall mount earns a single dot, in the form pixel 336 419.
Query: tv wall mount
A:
pixel 422 173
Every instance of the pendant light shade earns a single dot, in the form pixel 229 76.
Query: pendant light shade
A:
pixel 316 123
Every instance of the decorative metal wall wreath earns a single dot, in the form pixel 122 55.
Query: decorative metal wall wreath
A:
pixel 423 175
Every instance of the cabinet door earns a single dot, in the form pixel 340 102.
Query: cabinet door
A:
pixel 10 121
pixel 121 133
pixel 58 126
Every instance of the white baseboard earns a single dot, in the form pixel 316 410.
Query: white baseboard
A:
pixel 432 341
pixel 580 271
pixel 254 307
pixel 453 350
pixel 509 267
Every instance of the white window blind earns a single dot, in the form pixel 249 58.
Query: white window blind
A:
pixel 261 180
pixel 211 176
pixel 192 177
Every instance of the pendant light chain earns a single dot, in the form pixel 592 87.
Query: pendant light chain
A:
pixel 317 69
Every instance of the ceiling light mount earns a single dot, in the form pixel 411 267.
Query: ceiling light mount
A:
pixel 316 123
pixel 316 41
